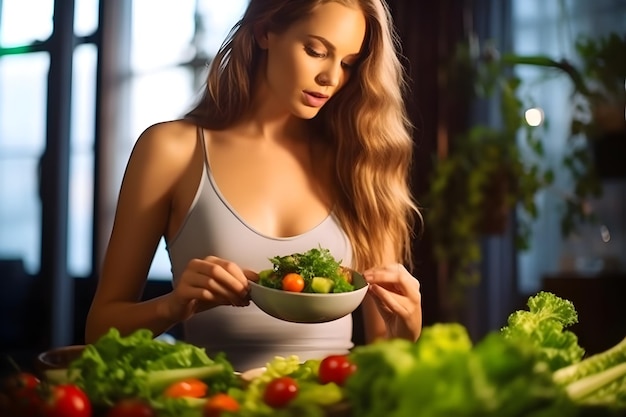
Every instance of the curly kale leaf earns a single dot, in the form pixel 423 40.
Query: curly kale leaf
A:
pixel 544 325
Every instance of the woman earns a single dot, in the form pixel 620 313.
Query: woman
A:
pixel 300 140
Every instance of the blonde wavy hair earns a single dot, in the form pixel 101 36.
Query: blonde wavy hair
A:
pixel 366 123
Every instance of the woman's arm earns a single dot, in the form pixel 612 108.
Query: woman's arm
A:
pixel 141 218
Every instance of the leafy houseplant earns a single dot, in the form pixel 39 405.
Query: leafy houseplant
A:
pixel 489 170
pixel 598 124
pixel 500 165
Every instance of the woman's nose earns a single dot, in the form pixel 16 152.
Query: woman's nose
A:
pixel 330 77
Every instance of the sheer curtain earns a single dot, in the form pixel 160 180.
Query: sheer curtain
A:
pixel 551 27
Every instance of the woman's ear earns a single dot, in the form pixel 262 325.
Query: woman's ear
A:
pixel 260 36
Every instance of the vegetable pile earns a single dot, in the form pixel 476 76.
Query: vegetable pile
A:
pixel 313 271
pixel 289 388
pixel 133 376
pixel 532 367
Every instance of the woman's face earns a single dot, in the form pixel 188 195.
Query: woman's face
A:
pixel 309 62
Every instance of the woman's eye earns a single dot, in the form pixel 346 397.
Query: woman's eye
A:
pixel 348 65
pixel 312 52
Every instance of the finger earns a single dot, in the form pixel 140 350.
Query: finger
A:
pixel 230 267
pixel 186 290
pixel 226 295
pixel 200 282
pixel 388 270
pixel 251 275
pixel 391 301
pixel 394 277
pixel 227 273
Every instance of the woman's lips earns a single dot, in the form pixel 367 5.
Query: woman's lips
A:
pixel 314 99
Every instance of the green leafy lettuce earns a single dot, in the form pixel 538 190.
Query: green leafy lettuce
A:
pixel 116 367
pixel 533 367
pixel 544 325
pixel 444 374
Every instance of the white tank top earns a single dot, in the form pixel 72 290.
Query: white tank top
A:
pixel 248 336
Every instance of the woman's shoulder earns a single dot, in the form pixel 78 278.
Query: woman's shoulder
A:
pixel 178 131
pixel 169 145
pixel 170 137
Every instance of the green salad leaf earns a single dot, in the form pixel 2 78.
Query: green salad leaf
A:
pixel 116 367
pixel 597 380
pixel 532 367
pixel 316 262
pixel 443 374
pixel 545 325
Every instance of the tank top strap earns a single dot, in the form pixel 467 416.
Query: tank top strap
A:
pixel 205 156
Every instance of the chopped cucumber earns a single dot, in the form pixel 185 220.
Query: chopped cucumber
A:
pixel 322 285
pixel 266 274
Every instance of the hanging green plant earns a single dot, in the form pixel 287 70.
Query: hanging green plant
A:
pixel 597 139
pixel 490 170
pixel 493 168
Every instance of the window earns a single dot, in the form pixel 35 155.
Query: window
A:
pixel 541 27
pixel 168 54
pixel 13 31
pixel 23 83
pixel 167 46
pixel 81 187
pixel 24 66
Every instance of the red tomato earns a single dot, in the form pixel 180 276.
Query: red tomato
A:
pixel 66 400
pixel 335 368
pixel 21 397
pixel 22 381
pixel 131 408
pixel 218 403
pixel 293 282
pixel 191 387
pixel 280 391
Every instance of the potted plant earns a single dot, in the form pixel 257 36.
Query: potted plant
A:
pixel 490 169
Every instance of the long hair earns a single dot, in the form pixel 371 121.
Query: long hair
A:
pixel 365 123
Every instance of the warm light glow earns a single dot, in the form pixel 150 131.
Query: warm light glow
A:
pixel 605 234
pixel 534 116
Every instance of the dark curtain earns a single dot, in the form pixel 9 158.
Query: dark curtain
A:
pixel 429 33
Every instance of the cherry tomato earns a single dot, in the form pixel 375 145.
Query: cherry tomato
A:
pixel 22 381
pixel 191 387
pixel 66 400
pixel 21 396
pixel 293 282
pixel 280 391
pixel 131 408
pixel 218 403
pixel 335 368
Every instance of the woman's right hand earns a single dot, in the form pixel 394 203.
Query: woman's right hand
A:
pixel 207 283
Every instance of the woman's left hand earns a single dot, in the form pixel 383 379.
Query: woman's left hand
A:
pixel 397 296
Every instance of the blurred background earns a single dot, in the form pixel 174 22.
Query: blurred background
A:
pixel 81 79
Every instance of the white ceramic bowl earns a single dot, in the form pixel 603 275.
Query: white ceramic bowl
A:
pixel 309 307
